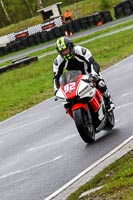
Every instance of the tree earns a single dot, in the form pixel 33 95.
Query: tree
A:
pixel 6 15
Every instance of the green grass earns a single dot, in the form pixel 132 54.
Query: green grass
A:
pixel 24 87
pixel 116 179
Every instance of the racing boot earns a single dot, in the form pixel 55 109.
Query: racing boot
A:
pixel 108 100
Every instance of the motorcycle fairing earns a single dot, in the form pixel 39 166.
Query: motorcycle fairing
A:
pixel 79 105
pixel 95 102
pixel 70 89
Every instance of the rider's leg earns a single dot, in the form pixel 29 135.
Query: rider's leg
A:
pixel 103 88
pixel 101 85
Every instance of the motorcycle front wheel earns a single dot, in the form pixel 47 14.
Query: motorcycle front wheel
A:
pixel 110 121
pixel 85 129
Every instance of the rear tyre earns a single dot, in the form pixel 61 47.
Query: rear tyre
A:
pixel 85 129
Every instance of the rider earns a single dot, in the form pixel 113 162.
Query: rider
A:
pixel 74 57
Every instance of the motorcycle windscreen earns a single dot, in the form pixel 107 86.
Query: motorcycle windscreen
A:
pixel 70 76
pixel 69 82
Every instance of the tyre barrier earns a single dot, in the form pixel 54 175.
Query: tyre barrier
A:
pixel 123 9
pixel 76 25
pixel 131 4
pixel 51 35
pixel 44 36
pixel 84 23
pixel 106 16
pixel 17 63
pixel 23 41
pixel 57 32
pixel 70 28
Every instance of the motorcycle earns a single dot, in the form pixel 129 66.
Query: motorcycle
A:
pixel 85 104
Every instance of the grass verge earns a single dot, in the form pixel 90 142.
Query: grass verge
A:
pixel 116 179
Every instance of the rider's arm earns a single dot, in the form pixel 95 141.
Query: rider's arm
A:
pixel 94 65
pixel 86 55
pixel 58 67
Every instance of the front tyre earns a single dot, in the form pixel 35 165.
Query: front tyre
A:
pixel 110 121
pixel 85 129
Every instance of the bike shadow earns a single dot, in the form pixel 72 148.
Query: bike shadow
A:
pixel 106 135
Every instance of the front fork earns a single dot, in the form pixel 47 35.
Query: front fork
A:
pixel 70 108
pixel 84 106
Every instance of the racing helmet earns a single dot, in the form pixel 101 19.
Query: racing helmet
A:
pixel 65 47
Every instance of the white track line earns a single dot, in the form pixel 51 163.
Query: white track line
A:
pixel 88 169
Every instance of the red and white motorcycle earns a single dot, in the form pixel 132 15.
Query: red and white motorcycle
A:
pixel 85 104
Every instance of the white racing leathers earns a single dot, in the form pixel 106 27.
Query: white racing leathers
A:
pixel 82 60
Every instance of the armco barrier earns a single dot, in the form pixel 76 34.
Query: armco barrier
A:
pixel 22 39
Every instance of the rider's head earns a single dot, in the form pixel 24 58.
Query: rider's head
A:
pixel 65 47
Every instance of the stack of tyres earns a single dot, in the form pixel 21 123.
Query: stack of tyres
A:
pixel 118 11
pixel 12 46
pixel 84 22
pixel 6 50
pixel 44 36
pixel 69 27
pixel 127 8
pixel 76 25
pixel 57 32
pixel 19 45
pixel 63 29
pixel 51 34
pixel 91 20
pixel 131 4
pixel 106 16
pixel 24 42
pixel 123 9
pixel 37 38
pixel 1 51
pixel 98 19
pixel 31 40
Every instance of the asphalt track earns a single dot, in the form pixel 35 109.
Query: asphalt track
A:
pixel 40 149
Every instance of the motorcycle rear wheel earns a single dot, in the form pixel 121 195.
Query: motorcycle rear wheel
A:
pixel 85 129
